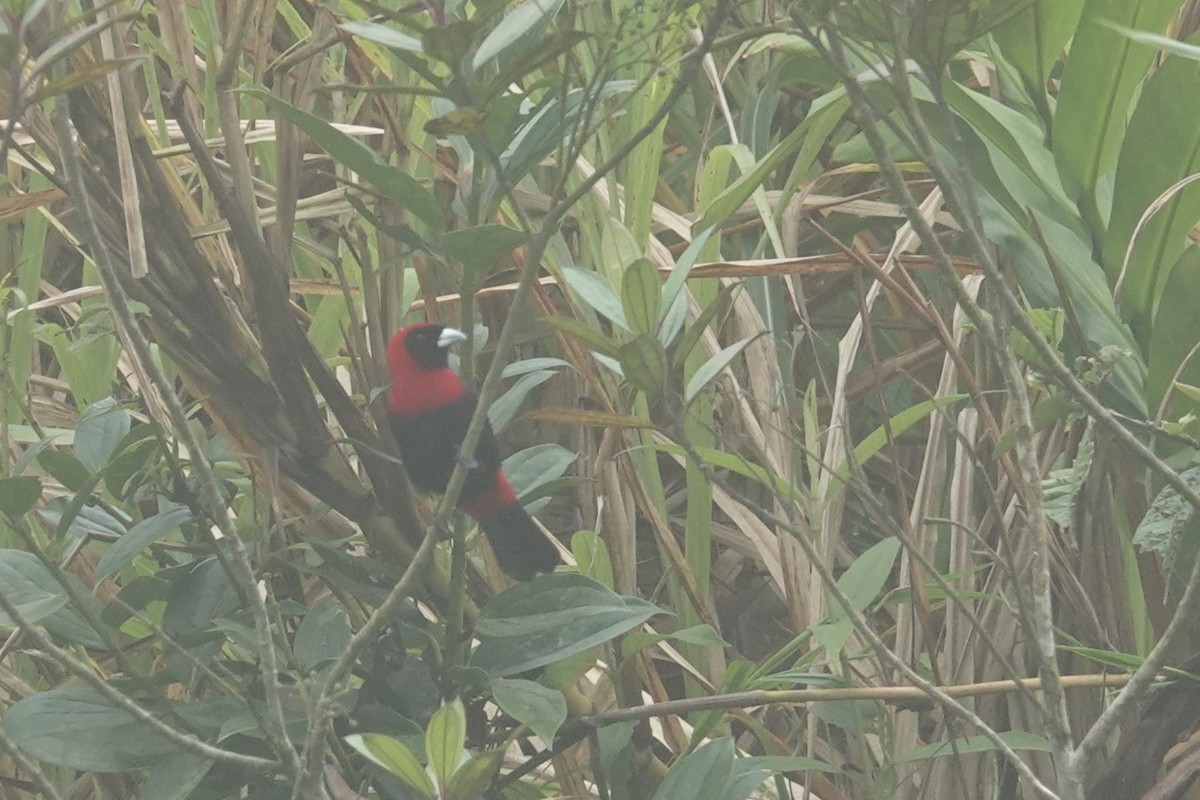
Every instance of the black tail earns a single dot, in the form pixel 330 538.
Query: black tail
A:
pixel 520 546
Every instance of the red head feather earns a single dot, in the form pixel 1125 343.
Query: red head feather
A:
pixel 421 376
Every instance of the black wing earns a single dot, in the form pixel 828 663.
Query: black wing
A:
pixel 429 444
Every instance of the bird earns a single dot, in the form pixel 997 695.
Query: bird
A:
pixel 430 408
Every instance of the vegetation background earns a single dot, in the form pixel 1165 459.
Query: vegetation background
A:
pixel 848 347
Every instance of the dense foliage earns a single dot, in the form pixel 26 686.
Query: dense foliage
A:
pixel 846 347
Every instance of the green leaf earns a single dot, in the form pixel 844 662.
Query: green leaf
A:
pixel 1168 517
pixel 101 428
pixel 1098 85
pixel 18 495
pixel 644 363
pixel 702 635
pixel 706 774
pixel 709 370
pixel 323 635
pixel 139 537
pixel 394 757
pixel 786 764
pixel 381 34
pixel 826 111
pixel 65 468
pixel 1161 150
pixel 1157 41
pixel 174 777
pixel 1017 740
pixel 444 739
pixel 472 779
pixel 1034 39
pixel 867 575
pixel 527 365
pixel 877 439
pixel 641 296
pixel 481 247
pixel 79 729
pixel 530 468
pixel 1176 330
pixel 449 43
pixel 390 180
pixel 543 710
pixel 591 557
pixel 36 593
pixel 550 618
pixel 594 339
pixel 201 595
pixel 593 290
pixel 522 20
pixel 501 412
pixel 557 118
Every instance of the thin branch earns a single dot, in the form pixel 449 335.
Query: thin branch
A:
pixel 898 695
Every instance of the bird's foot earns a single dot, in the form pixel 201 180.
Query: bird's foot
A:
pixel 469 463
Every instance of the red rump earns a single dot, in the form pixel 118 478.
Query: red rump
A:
pixel 485 506
pixel 430 412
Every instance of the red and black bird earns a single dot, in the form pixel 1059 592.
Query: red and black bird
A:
pixel 430 410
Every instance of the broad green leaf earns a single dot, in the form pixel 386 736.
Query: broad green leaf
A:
pixel 1034 39
pixel 1017 740
pixel 139 537
pixel 501 412
pixel 1061 487
pixel 101 428
pixel 644 363
pixel 174 777
pixel 449 42
pixel 1167 519
pixel 1176 331
pixel 472 779
pixel 78 729
pixel 394 757
pixel 709 370
pixel 18 495
pixel 481 247
pixel 1161 149
pixel 593 290
pixel 31 587
pixel 530 468
pixel 200 596
pixel 550 618
pixel 866 576
pixel 575 329
pixel 591 557
pixel 382 34
pixel 641 296
pixel 706 774
pixel 1098 83
pixel 544 710
pixel 390 180
pixel 81 519
pixel 34 596
pixel 532 365
pixel 444 739
pixel 556 119
pixel 323 635
pixel 530 17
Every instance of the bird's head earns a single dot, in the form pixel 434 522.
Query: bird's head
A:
pixel 422 347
